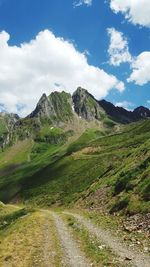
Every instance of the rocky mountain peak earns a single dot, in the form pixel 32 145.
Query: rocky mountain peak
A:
pixel 57 107
pixel 142 112
pixel 60 107
pixel 81 91
pixel 42 108
pixel 86 106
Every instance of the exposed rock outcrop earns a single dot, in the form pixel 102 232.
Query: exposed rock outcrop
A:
pixel 7 123
pixel 57 108
pixel 86 106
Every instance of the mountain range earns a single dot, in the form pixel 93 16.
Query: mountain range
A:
pixel 60 108
pixel 76 150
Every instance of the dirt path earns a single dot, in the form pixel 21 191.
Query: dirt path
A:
pixel 47 249
pixel 136 259
pixel 73 256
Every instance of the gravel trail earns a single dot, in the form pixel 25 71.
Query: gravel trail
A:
pixel 136 259
pixel 73 256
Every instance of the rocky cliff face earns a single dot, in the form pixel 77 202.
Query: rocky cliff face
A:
pixel 7 123
pixel 57 108
pixel 86 106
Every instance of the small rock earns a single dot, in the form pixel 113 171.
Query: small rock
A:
pixel 128 258
pixel 131 245
pixel 7 258
pixel 101 247
pixel 125 238
pixel 146 249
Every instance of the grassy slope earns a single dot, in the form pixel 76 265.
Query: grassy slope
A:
pixel 61 175
pixel 27 237
pixel 17 154
pixel 3 127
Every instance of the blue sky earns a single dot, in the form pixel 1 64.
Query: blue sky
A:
pixel 83 25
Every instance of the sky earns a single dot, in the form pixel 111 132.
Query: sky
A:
pixel 48 45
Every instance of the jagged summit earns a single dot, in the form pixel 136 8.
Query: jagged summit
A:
pixel 61 107
pixel 86 106
pixel 57 107
pixel 42 109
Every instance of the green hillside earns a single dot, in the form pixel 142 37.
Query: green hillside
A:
pixel 100 168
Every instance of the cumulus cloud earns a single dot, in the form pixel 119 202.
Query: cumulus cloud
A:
pixel 135 11
pixel 82 2
pixel 140 69
pixel 45 64
pixel 125 104
pixel 118 52
pixel 118 49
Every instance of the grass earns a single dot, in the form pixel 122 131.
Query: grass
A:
pixel 3 128
pixel 27 237
pixel 61 174
pixel 61 102
pixel 18 248
pixel 84 140
pixel 17 154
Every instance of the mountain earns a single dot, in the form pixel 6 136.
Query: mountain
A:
pixel 86 106
pixel 75 150
pixel 74 113
pixel 122 115
pixel 141 113
pixel 57 107
pixel 61 107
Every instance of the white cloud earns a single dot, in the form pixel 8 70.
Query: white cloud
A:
pixel 119 53
pixel 82 2
pixel 140 69
pixel 45 64
pixel 135 11
pixel 118 49
pixel 125 104
pixel 148 101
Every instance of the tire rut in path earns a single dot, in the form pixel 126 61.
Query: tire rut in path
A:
pixel 74 257
pixel 47 250
pixel 138 258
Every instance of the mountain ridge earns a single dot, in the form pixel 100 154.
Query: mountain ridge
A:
pixel 86 106
pixel 52 106
pixel 63 110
